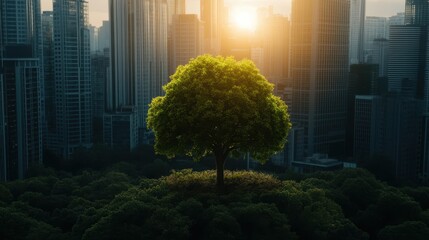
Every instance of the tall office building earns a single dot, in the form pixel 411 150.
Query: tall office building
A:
pixel 21 86
pixel 93 38
pixel 273 34
pixel 99 76
pixel 174 7
pixel 398 19
pixel 72 76
pixel 416 12
pixel 104 36
pixel 187 39
pixel 357 26
pixel 376 43
pixel 139 62
pixel 212 14
pixel 407 51
pixel 389 128
pixel 319 73
pixel 49 81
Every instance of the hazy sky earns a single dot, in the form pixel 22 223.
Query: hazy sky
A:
pixel 386 8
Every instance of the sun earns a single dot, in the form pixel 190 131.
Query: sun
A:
pixel 244 17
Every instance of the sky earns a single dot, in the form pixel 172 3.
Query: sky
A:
pixel 385 8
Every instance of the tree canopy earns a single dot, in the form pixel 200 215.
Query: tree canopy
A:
pixel 220 106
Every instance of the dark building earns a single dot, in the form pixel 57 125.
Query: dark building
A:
pixel 416 12
pixel 99 76
pixel 389 128
pixel 49 78
pixel 21 85
pixel 72 68
pixel 363 80
pixel 319 72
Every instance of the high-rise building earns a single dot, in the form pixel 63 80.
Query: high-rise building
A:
pixel 319 73
pixel 273 37
pixel 407 48
pixel 376 43
pixel 363 80
pixel 398 19
pixel 104 36
pixel 93 38
pixel 49 81
pixel 212 14
pixel 72 76
pixel 21 86
pixel 357 26
pixel 416 12
pixel 389 128
pixel 174 7
pixel 139 58
pixel 99 76
pixel 187 39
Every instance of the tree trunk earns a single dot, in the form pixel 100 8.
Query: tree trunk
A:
pixel 220 163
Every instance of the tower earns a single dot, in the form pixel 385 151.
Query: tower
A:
pixel 72 76
pixel 357 23
pixel 139 63
pixel 187 39
pixel 21 88
pixel 212 16
pixel 319 72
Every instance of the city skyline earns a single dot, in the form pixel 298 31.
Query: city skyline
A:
pixel 98 10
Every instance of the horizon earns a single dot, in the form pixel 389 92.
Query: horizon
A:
pixel 98 10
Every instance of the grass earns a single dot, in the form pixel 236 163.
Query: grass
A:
pixel 188 180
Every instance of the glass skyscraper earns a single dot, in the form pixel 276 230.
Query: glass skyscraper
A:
pixel 319 73
pixel 72 76
pixel 21 86
pixel 139 62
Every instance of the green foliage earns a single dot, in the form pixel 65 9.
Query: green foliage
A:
pixel 405 231
pixel 185 205
pixel 216 105
pixel 234 181
pixel 5 195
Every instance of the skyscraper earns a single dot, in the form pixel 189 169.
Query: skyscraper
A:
pixel 274 35
pixel 319 72
pixel 174 7
pixel 407 47
pixel 357 25
pixel 212 14
pixel 72 76
pixel 21 86
pixel 104 36
pixel 417 12
pixel 49 81
pixel 187 39
pixel 139 58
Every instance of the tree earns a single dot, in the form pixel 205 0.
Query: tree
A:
pixel 220 106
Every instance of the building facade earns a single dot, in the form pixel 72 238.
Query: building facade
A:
pixel 187 39
pixel 72 76
pixel 357 26
pixel 212 15
pixel 21 86
pixel 139 57
pixel 319 73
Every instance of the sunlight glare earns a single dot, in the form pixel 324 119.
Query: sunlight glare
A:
pixel 244 17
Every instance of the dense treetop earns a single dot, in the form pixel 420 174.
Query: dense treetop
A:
pixel 117 204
